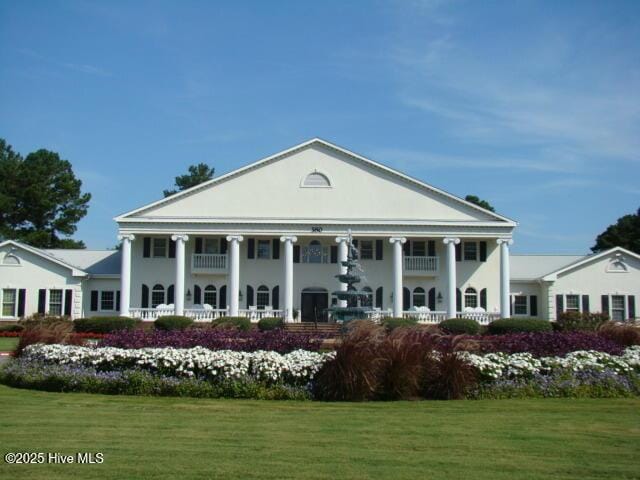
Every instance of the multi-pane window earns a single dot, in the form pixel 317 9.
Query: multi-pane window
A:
pixel 617 307
pixel 419 297
pixel 368 300
pixel 471 250
pixel 419 248
pixel 366 249
pixel 8 302
pixel 157 295
pixel 470 298
pixel 262 297
pixel 210 296
pixel 159 247
pixel 520 305
pixel 55 302
pixel 107 300
pixel 211 245
pixel 573 303
pixel 264 249
pixel 315 253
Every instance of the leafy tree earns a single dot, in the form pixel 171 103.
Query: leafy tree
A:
pixel 481 203
pixel 197 174
pixel 624 233
pixel 41 200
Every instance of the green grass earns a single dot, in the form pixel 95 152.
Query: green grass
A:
pixel 171 438
pixel 7 344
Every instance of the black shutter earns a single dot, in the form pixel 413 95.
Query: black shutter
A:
pixel 223 245
pixel 275 298
pixel 559 305
pixel 379 248
pixel 585 303
pixel 249 296
pixel 146 247
pixel 171 294
pixel 632 307
pixel 483 251
pixel 172 248
pixel 197 295
pixel 22 301
pixel 223 297
pixel 533 305
pixel 431 248
pixel 406 298
pixel 432 299
pixel 276 249
pixel 94 300
pixel 511 301
pixel 379 297
pixel 406 248
pixel 604 299
pixel 68 302
pixel 296 254
pixel 334 254
pixel 118 300
pixel 483 298
pixel 459 252
pixel 42 301
pixel 251 248
pixel 144 301
pixel 458 300
pixel 198 245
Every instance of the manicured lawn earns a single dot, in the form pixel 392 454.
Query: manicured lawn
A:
pixel 7 344
pixel 196 438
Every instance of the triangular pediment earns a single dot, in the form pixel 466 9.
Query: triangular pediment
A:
pixel 316 181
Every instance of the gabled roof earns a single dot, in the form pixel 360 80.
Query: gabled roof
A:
pixel 94 262
pixel 314 141
pixel 76 272
pixel 589 258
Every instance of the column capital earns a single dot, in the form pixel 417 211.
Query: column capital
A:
pixel 289 238
pixel 342 239
pixel 234 238
pixel 400 240
pixel 180 236
pixel 506 241
pixel 449 240
pixel 126 236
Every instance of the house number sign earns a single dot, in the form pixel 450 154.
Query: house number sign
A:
pixel 316 229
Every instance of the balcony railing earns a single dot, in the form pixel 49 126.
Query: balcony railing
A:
pixel 420 265
pixel 208 263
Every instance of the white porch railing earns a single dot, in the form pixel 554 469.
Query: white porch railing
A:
pixel 208 262
pixel 434 317
pixel 483 318
pixel 150 313
pixel 420 264
pixel 204 314
pixel 256 315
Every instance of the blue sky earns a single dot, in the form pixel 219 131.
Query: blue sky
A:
pixel 534 106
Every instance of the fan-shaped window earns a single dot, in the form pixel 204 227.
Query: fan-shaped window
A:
pixel 471 298
pixel 617 265
pixel 316 179
pixel 10 259
pixel 157 295
pixel 419 297
pixel 262 296
pixel 210 296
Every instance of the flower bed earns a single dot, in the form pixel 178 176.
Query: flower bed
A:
pixel 274 340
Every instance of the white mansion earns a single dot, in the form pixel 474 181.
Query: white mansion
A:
pixel 267 239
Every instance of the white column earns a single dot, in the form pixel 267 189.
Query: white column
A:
pixel 505 311
pixel 343 243
pixel 178 300
pixel 397 275
pixel 234 274
pixel 288 276
pixel 451 275
pixel 125 274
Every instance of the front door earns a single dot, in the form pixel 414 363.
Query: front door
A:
pixel 314 306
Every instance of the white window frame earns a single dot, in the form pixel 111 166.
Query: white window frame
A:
pixel 566 302
pixel 49 291
pixel 527 306
pixel 15 303
pixel 265 292
pixel 475 295
pixel 361 249
pixel 164 295
pixel 323 250
pixel 413 248
pixel 423 294
pixel 155 240
pixel 115 297
pixel 625 307
pixel 268 249
pixel 213 292
pixel 464 251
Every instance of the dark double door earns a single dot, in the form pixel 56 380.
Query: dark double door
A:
pixel 314 306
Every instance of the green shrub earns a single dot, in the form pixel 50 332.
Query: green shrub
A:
pixel 104 324
pixel 11 327
pixel 239 323
pixel 173 322
pixel 518 325
pixel 457 326
pixel 270 323
pixel 391 323
pixel 577 321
